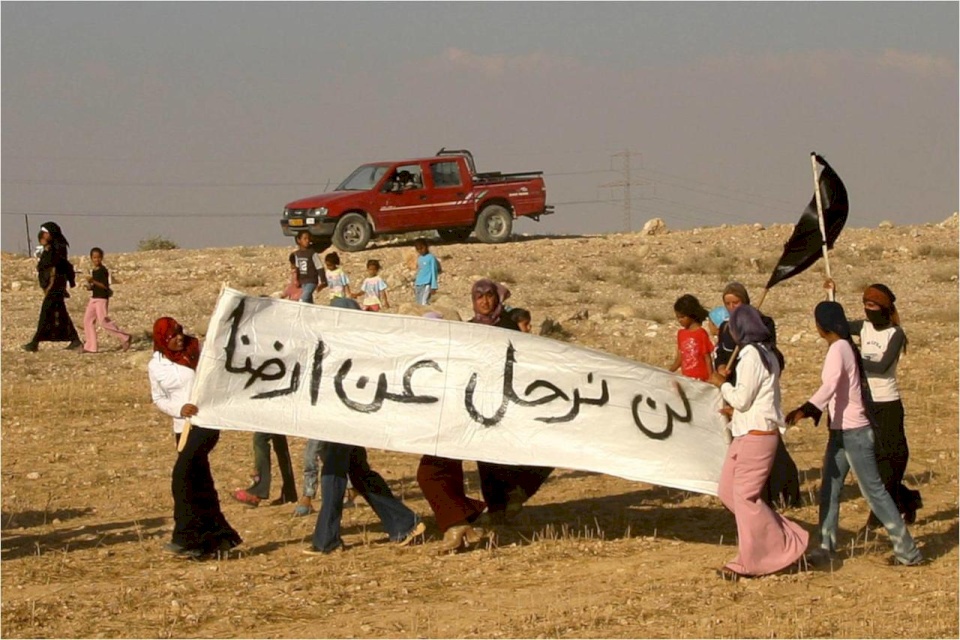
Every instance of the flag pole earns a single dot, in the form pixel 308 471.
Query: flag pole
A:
pixel 823 228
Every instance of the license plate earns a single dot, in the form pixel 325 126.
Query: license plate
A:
pixel 296 223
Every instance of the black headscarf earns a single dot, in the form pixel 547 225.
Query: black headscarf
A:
pixel 56 235
pixel 830 317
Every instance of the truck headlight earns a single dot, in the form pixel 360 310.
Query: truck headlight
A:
pixel 318 211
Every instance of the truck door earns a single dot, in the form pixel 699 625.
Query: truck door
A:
pixel 453 205
pixel 406 201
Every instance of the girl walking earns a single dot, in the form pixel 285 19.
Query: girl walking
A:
pixel 98 282
pixel 694 355
pixel 337 280
pixel 767 542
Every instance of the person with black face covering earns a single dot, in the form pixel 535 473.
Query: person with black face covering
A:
pixel 882 340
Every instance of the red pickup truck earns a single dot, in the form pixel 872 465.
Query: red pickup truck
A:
pixel 442 192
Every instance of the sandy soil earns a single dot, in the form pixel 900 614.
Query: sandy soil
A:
pixel 86 462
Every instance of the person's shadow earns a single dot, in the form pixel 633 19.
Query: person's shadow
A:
pixel 75 538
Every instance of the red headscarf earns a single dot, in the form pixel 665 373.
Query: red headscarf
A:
pixel 163 330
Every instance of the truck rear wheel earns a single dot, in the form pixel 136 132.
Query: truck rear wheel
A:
pixel 494 224
pixel 352 233
pixel 456 234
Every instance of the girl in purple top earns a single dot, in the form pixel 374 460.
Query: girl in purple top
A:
pixel 851 440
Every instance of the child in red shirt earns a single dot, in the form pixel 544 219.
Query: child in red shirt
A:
pixel 694 348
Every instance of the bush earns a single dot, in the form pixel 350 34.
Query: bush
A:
pixel 156 243
pixel 932 251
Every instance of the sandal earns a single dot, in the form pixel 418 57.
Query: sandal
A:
pixel 241 495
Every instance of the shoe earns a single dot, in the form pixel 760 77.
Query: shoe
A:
pixel 462 535
pixel 894 561
pixel 304 507
pixel 412 535
pixel 32 347
pixel 453 537
pixel 820 558
pixel 74 345
pixel 313 551
pixel 241 495
pixel 476 535
pixel 85 352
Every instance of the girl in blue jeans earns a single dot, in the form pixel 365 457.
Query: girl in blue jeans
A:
pixel 851 442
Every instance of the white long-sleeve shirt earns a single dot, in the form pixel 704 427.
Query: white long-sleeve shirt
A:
pixel 756 397
pixel 840 389
pixel 170 386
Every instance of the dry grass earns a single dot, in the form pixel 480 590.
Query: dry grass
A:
pixel 591 556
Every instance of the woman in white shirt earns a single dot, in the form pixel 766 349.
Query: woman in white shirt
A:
pixel 767 542
pixel 199 526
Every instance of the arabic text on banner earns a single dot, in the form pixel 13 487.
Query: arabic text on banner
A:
pixel 453 389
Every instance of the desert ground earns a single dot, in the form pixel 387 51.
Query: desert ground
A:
pixel 86 460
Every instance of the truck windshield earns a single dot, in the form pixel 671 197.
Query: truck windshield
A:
pixel 363 178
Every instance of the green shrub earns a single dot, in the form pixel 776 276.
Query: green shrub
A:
pixel 933 251
pixel 156 243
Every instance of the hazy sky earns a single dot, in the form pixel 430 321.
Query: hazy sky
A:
pixel 199 121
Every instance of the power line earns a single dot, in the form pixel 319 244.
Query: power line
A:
pixel 116 183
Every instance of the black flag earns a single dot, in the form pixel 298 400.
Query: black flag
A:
pixel 805 245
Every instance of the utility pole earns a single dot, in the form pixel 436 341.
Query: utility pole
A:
pixel 625 184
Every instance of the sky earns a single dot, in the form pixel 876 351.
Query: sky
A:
pixel 197 122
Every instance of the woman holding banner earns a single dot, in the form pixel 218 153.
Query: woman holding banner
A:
pixel 504 487
pixel 199 526
pixel 783 485
pixel 851 443
pixel 767 542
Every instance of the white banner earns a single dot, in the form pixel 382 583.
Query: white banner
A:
pixel 453 389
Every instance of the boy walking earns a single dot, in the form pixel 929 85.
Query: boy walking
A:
pixel 426 282
pixel 310 275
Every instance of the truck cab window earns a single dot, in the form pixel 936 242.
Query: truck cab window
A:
pixel 406 178
pixel 445 174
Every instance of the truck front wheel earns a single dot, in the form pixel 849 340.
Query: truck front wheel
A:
pixel 352 233
pixel 494 224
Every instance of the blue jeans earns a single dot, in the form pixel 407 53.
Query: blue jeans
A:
pixel 339 461
pixel 311 469
pixel 422 292
pixel 854 448
pixel 306 292
pixel 261 462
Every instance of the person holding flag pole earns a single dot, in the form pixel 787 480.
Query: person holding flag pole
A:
pixel 844 390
